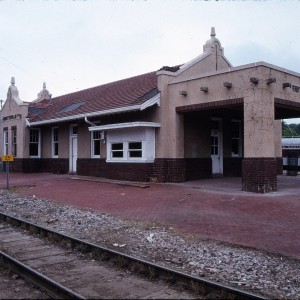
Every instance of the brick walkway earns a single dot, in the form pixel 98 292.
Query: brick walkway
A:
pixel 216 208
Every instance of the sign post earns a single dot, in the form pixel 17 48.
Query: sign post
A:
pixel 7 159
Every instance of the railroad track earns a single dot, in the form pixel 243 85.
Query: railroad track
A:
pixel 68 268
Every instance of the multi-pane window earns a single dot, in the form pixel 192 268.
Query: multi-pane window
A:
pixel 127 150
pixel 14 141
pixel 5 141
pixel 34 143
pixel 236 145
pixel 117 150
pixel 134 145
pixel 135 149
pixel 55 142
pixel 214 145
pixel 96 139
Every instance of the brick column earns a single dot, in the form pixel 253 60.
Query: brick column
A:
pixel 259 175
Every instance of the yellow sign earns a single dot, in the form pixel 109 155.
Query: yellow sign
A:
pixel 7 158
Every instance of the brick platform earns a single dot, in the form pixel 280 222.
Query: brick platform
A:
pixel 215 208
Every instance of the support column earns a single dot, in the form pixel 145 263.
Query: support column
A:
pixel 259 175
pixel 259 166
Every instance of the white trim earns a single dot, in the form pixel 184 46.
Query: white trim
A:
pixel 73 137
pixel 154 100
pixel 92 145
pixel 145 135
pixel 219 132
pixel 124 125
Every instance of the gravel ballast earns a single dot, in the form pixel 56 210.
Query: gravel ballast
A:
pixel 264 273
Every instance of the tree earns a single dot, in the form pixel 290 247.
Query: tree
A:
pixel 289 130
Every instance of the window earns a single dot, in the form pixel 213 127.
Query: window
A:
pixel 132 149
pixel 5 141
pixel 74 130
pixel 14 141
pixel 214 145
pixel 96 139
pixel 34 143
pixel 131 145
pixel 54 142
pixel 236 145
pixel 135 149
pixel 117 150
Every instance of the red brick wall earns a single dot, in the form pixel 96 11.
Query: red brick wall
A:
pixel 39 165
pixel 167 170
pixel 259 175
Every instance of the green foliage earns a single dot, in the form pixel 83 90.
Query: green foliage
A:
pixel 289 130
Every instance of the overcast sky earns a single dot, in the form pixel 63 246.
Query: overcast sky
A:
pixel 73 45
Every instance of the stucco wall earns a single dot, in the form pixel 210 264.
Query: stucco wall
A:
pixel 12 115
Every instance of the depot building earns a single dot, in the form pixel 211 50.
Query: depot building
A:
pixel 202 119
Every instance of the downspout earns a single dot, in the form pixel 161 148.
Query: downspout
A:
pixel 89 122
pixel 27 123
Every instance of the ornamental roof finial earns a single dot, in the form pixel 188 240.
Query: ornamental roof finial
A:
pixel 213 32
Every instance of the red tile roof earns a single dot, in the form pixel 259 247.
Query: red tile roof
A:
pixel 123 93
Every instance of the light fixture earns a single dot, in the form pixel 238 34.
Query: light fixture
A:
pixel 254 80
pixel 204 89
pixel 286 84
pixel 228 84
pixel 183 93
pixel 271 80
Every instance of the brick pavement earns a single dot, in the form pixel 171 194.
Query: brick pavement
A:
pixel 215 209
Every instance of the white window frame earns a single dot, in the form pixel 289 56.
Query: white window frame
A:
pixel 93 155
pixel 145 136
pixel 54 141
pixel 240 149
pixel 134 150
pixel 5 141
pixel 39 142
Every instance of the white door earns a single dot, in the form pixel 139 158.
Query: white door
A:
pixel 216 151
pixel 73 158
pixel 73 149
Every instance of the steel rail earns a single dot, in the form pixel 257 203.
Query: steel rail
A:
pixel 149 268
pixel 47 285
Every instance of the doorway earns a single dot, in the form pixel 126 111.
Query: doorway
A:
pixel 216 146
pixel 73 149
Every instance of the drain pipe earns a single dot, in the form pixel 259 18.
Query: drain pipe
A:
pixel 89 122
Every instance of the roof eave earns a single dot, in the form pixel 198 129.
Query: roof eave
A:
pixel 154 100
pixel 123 125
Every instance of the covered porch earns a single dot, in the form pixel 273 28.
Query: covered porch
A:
pixel 216 135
